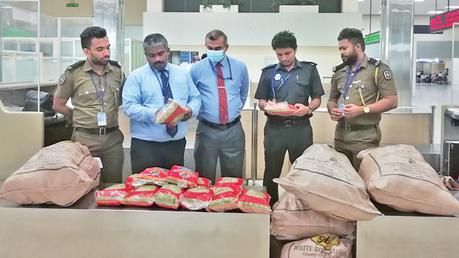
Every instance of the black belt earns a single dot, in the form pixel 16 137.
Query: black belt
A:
pixel 221 126
pixel 288 122
pixel 97 131
pixel 355 127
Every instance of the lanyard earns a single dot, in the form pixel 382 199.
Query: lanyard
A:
pixel 282 79
pixel 100 88
pixel 212 66
pixel 350 77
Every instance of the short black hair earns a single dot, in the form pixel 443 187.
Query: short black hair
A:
pixel 355 36
pixel 284 39
pixel 216 34
pixel 91 32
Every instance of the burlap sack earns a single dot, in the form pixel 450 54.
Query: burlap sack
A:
pixel 292 219
pixel 398 176
pixel 61 174
pixel 322 246
pixel 326 180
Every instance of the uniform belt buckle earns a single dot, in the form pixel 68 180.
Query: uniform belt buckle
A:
pixel 288 123
pixel 347 127
pixel 102 130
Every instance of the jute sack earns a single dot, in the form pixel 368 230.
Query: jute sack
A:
pixel 61 174
pixel 326 180
pixel 398 175
pixel 322 246
pixel 292 219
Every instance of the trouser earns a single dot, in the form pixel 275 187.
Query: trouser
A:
pixel 145 154
pixel 351 139
pixel 109 148
pixel 226 145
pixel 279 138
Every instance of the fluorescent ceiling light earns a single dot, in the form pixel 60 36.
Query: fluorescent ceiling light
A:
pixel 435 12
pixel 419 0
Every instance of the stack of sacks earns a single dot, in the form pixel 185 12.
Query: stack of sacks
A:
pixel 292 219
pixel 398 176
pixel 324 198
pixel 327 182
pixel 58 174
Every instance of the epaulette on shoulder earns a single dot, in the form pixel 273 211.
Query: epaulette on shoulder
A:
pixel 269 66
pixel 75 65
pixel 115 63
pixel 336 68
pixel 307 62
pixel 374 62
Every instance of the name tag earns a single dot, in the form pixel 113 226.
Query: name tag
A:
pixel 101 119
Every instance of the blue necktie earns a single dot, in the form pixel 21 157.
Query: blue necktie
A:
pixel 167 94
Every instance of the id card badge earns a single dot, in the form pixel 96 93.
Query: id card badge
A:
pixel 101 119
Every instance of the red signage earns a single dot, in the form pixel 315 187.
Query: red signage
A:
pixel 444 21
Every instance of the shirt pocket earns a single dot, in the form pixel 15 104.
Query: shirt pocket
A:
pixel 86 90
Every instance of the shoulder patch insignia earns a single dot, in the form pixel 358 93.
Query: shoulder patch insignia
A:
pixel 75 65
pixel 115 63
pixel 61 79
pixel 336 68
pixel 374 62
pixel 269 66
pixel 307 62
pixel 387 75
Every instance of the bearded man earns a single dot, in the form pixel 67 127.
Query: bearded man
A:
pixel 361 89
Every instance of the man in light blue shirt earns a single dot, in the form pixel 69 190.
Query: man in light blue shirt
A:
pixel 147 90
pixel 223 83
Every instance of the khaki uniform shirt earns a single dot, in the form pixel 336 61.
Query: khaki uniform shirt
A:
pixel 79 83
pixel 363 86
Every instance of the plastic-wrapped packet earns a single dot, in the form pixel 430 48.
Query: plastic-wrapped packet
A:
pixel 172 112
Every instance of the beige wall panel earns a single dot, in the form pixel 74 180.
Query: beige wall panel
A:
pixel 100 233
pixel 134 10
pixel 407 236
pixel 21 136
pixel 57 8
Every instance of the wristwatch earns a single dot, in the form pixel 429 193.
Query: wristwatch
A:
pixel 366 109
pixel 310 111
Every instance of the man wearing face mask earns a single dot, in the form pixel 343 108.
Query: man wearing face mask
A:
pixel 295 82
pixel 223 83
pixel 361 89
pixel 147 89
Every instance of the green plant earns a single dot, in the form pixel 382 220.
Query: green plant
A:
pixel 225 3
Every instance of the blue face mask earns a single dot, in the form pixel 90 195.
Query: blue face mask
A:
pixel 215 55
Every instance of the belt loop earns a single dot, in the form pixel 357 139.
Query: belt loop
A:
pixel 347 126
pixel 102 130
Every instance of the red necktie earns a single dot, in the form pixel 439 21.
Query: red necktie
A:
pixel 222 101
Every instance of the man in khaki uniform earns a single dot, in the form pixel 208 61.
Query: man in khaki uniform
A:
pixel 94 86
pixel 361 89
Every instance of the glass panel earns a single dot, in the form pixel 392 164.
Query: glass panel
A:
pixel 454 95
pixel 396 45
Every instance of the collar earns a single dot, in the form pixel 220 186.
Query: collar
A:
pixel 364 64
pixel 296 65
pixel 167 68
pixel 87 67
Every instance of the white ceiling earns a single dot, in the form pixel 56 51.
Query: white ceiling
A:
pixel 420 7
